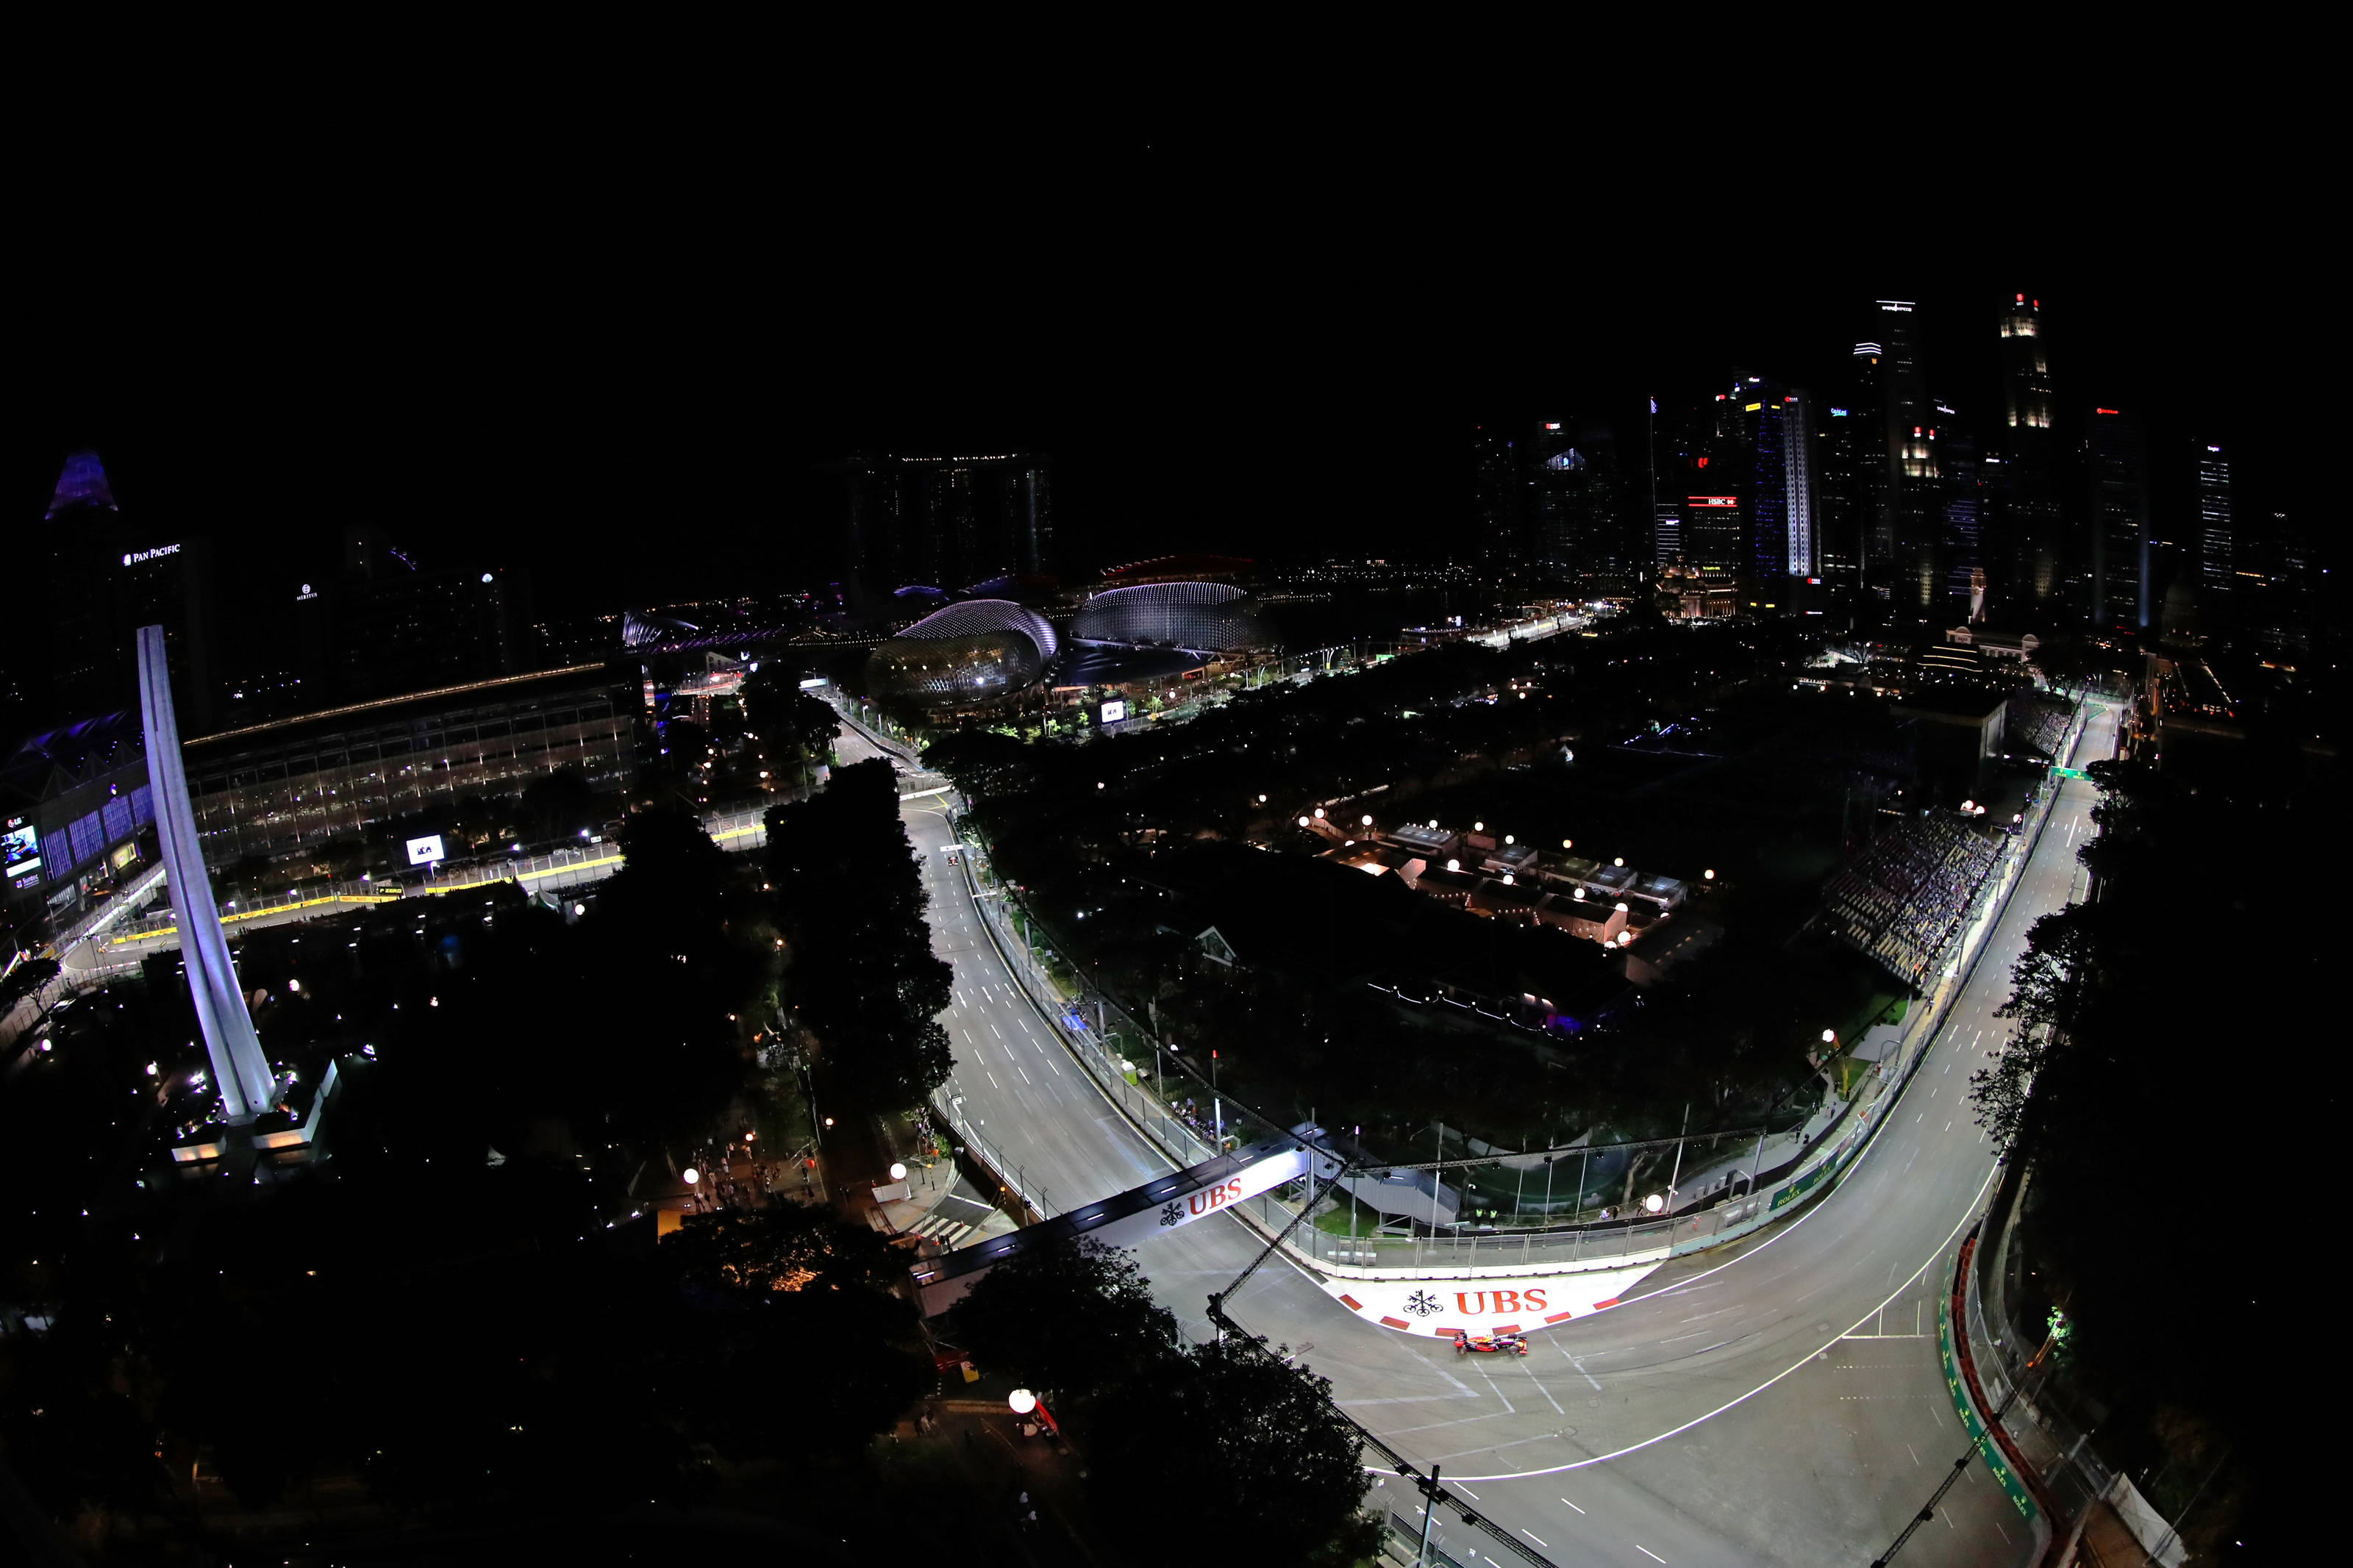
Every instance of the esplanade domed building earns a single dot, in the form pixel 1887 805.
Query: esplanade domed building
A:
pixel 1206 617
pixel 972 651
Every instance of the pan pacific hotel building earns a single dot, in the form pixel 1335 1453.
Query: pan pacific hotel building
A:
pixel 77 821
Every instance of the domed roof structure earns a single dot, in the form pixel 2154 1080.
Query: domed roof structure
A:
pixel 1204 616
pixel 970 651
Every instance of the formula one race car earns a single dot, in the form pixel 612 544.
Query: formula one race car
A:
pixel 1467 1343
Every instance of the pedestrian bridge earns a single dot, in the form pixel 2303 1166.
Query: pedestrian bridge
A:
pixel 1132 1217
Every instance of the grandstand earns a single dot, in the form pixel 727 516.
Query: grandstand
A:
pixel 2036 723
pixel 1903 900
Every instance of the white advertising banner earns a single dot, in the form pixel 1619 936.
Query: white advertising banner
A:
pixel 1439 1307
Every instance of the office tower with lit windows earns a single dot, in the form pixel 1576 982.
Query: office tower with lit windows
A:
pixel 2217 559
pixel 1838 530
pixel 2116 459
pixel 1911 523
pixel 104 574
pixel 2027 528
pixel 1575 501
pixel 948 523
pixel 1496 499
pixel 1961 542
pixel 1866 437
pixel 1774 427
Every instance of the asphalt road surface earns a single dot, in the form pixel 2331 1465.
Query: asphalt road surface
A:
pixel 1776 1402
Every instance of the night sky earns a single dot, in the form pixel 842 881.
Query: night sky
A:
pixel 629 374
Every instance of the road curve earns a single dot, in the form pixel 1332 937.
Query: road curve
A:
pixel 1779 1401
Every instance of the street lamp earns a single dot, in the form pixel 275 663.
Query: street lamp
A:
pixel 690 1175
pixel 898 1172
pixel 1366 819
pixel 1653 1204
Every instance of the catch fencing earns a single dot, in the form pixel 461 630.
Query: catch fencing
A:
pixel 1783 1170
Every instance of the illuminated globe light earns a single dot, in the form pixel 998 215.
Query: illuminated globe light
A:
pixel 1366 819
pixel 1579 895
pixel 1507 878
pixel 1621 909
pixel 1022 1400
pixel 1829 1036
pixel 1319 814
pixel 1968 806
pixel 1709 873
pixel 690 1175
pixel 1454 865
pixel 1262 800
pixel 898 1172
pixel 1620 861
pixel 1478 828
pixel 293 986
pixel 1303 822
pixel 1653 1204
pixel 1565 844
pixel 1625 939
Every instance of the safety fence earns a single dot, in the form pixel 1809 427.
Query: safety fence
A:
pixel 2041 1424
pixel 1122 1058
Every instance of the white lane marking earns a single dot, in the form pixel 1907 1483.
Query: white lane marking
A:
pixel 1497 1392
pixel 1579 1366
pixel 1914 1452
pixel 1948 1127
pixel 1542 1389
pixel 992 1078
pixel 1539 1539
pixel 998 1031
pixel 1572 1505
pixel 1935 1256
pixel 1469 1493
pixel 1648 1552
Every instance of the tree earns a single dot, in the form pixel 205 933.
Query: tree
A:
pixel 1269 1464
pixel 26 980
pixel 559 804
pixel 1074 1317
pixel 849 899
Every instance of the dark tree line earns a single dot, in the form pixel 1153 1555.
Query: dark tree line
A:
pixel 848 898
pixel 2157 1025
pixel 1263 1463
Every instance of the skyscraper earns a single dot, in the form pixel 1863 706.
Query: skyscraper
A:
pixel 2217 564
pixel 1574 510
pixel 1961 542
pixel 1837 499
pixel 1775 426
pixel 2119 504
pixel 106 574
pixel 948 523
pixel 1910 524
pixel 1495 480
pixel 2028 533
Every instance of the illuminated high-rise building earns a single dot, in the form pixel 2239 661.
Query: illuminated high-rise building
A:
pixel 1837 499
pixel 1574 506
pixel 2117 461
pixel 1911 513
pixel 948 523
pixel 108 574
pixel 2217 558
pixel 1495 476
pixel 2029 533
pixel 1774 426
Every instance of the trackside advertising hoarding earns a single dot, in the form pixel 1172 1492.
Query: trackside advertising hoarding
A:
pixel 1440 1306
